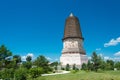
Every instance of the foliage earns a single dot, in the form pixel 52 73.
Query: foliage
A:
pixel 54 65
pixel 67 67
pixel 7 73
pixel 84 66
pixel 117 65
pixel 27 65
pixel 89 66
pixel 42 62
pixel 74 67
pixel 75 71
pixel 4 56
pixel 109 65
pixel 21 74
pixel 96 60
pixel 97 63
pixel 29 58
pixel 35 72
pixel 16 61
pixel 17 58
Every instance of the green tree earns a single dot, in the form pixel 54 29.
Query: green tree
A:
pixel 103 65
pixel 110 64
pixel 42 62
pixel 54 65
pixel 96 60
pixel 117 65
pixel 17 58
pixel 89 65
pixel 84 66
pixel 7 74
pixel 35 72
pixel 27 64
pixel 16 61
pixel 4 56
pixel 20 74
pixel 74 67
pixel 29 58
pixel 67 67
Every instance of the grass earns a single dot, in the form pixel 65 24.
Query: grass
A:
pixel 82 75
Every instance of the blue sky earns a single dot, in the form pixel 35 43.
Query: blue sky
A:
pixel 35 27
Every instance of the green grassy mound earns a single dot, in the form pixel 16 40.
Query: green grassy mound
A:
pixel 82 75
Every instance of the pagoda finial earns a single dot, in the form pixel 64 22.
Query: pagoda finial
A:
pixel 71 15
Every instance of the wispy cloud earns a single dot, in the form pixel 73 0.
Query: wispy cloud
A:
pixel 98 49
pixel 117 53
pixel 112 58
pixel 112 42
pixel 48 58
pixel 107 58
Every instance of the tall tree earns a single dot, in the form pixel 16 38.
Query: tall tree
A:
pixel 4 56
pixel 29 58
pixel 17 58
pixel 67 67
pixel 96 60
pixel 84 66
pixel 42 62
pixel 4 52
pixel 89 65
pixel 110 64
pixel 117 65
pixel 28 63
pixel 16 61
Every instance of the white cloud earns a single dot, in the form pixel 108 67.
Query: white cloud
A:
pixel 48 58
pixel 116 58
pixel 117 54
pixel 23 58
pixel 112 42
pixel 112 58
pixel 106 58
pixel 29 54
pixel 98 49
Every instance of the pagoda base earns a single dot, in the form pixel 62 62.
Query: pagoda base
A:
pixel 73 58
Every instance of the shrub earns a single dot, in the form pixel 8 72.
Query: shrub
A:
pixel 27 65
pixel 7 73
pixel 35 72
pixel 62 68
pixel 21 74
pixel 74 71
pixel 67 67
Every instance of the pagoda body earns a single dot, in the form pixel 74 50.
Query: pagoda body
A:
pixel 73 52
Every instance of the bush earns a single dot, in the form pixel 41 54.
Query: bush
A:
pixel 84 66
pixel 7 73
pixel 62 68
pixel 100 71
pixel 74 71
pixel 67 67
pixel 35 72
pixel 27 65
pixel 21 74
